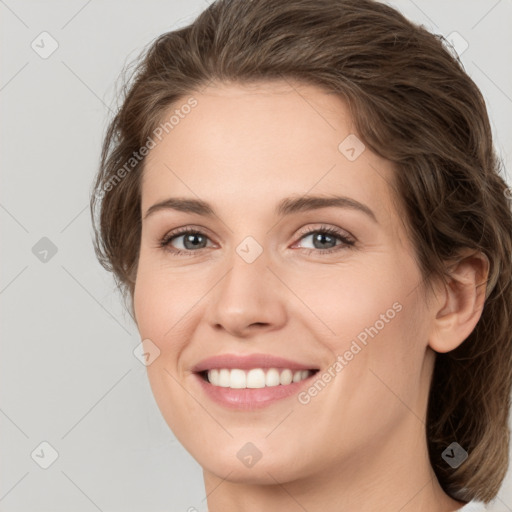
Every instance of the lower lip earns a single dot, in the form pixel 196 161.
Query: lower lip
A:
pixel 250 398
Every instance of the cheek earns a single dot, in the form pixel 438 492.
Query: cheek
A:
pixel 163 302
pixel 378 324
pixel 386 370
pixel 161 311
pixel 359 302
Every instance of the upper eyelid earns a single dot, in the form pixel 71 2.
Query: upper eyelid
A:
pixel 185 230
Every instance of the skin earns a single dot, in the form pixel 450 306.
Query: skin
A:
pixel 360 443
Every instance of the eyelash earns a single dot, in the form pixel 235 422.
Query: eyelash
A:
pixel 346 242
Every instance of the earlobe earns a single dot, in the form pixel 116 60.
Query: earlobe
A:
pixel 461 303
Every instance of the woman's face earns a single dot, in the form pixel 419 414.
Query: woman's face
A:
pixel 261 294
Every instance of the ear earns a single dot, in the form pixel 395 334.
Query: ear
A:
pixel 460 302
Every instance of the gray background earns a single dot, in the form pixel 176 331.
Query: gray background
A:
pixel 68 373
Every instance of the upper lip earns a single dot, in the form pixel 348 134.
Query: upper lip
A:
pixel 246 362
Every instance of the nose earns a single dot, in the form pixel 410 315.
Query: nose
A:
pixel 249 299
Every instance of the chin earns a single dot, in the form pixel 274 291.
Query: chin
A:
pixel 242 462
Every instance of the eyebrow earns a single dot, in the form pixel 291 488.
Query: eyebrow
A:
pixel 285 207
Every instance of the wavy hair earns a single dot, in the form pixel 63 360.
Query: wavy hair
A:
pixel 413 104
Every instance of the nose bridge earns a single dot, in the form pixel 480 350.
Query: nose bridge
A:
pixel 246 283
pixel 246 295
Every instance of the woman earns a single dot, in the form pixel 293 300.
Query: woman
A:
pixel 302 203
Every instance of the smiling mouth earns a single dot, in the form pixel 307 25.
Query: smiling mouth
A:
pixel 255 378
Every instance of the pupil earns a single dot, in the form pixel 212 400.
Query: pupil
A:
pixel 189 239
pixel 320 237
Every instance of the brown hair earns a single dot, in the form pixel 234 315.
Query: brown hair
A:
pixel 413 104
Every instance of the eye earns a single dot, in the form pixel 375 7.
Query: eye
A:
pixel 193 240
pixel 324 239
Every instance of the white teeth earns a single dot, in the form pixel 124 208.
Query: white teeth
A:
pixel 255 378
pixel 224 378
pixel 214 378
pixel 272 378
pixel 238 379
pixel 286 377
pixel 300 375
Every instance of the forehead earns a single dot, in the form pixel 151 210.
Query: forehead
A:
pixel 251 145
